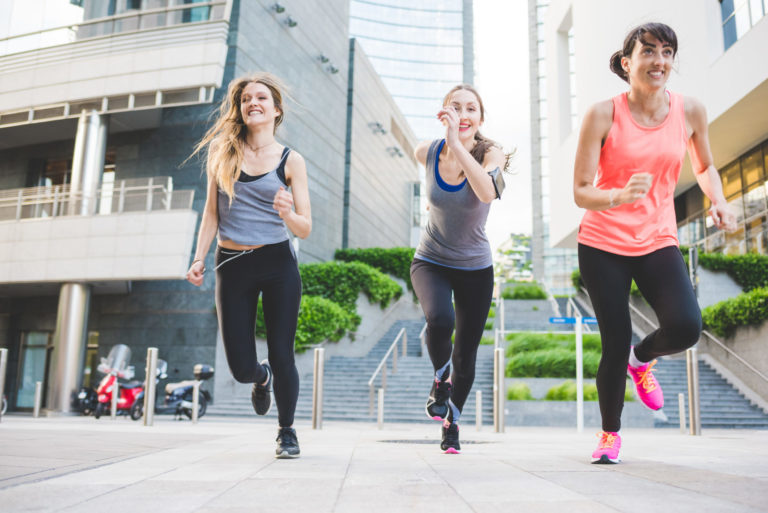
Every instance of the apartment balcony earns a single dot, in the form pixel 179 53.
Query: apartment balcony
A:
pixel 139 229
pixel 130 65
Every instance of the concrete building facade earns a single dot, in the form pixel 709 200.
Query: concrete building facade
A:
pixel 98 211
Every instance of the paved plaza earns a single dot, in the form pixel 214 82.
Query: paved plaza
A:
pixel 223 465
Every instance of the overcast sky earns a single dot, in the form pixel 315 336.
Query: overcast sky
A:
pixel 501 71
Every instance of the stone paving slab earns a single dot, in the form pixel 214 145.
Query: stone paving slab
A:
pixel 225 465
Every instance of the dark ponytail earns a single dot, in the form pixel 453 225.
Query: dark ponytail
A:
pixel 660 31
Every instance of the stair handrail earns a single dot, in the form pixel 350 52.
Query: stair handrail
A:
pixel 711 337
pixel 422 338
pixel 382 365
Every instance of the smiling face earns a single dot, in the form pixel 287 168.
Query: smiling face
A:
pixel 467 105
pixel 257 105
pixel 650 63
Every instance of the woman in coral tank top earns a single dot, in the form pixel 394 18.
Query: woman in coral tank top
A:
pixel 631 149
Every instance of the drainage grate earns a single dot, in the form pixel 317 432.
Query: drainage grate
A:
pixel 432 442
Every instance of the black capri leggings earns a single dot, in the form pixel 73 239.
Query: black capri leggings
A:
pixel 663 280
pixel 271 271
pixel 472 292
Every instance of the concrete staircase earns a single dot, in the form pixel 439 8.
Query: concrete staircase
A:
pixel 346 393
pixel 721 405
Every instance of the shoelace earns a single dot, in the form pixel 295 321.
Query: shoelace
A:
pixel 606 440
pixel 646 378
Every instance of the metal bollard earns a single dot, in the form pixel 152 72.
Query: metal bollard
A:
pixel 115 395
pixel 479 410
pixel 3 365
pixel 381 409
pixel 499 398
pixel 694 416
pixel 38 399
pixel 579 377
pixel 149 386
pixel 195 400
pixel 681 410
pixel 317 389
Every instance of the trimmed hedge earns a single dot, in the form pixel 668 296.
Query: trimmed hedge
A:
pixel 319 319
pixel 519 392
pixel 567 392
pixel 750 271
pixel 550 363
pixel 525 291
pixel 341 282
pixel 746 309
pixel 526 341
pixel 394 261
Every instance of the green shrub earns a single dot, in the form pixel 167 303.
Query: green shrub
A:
pixel 394 261
pixel 485 341
pixel 526 291
pixel 750 270
pixel 342 282
pixel 551 363
pixel 519 392
pixel 488 325
pixel 491 313
pixel 528 341
pixel 746 309
pixel 319 319
pixel 567 392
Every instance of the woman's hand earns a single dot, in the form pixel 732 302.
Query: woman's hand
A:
pixel 450 119
pixel 195 273
pixel 723 216
pixel 283 203
pixel 636 188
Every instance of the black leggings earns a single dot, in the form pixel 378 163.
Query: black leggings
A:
pixel 663 280
pixel 472 292
pixel 271 271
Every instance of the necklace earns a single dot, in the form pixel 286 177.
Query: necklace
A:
pixel 256 148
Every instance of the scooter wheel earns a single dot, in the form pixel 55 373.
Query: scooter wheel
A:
pixel 202 406
pixel 137 410
pixel 100 409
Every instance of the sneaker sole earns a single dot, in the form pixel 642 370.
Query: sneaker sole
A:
pixel 451 450
pixel 605 460
pixel 435 417
pixel 286 456
pixel 268 409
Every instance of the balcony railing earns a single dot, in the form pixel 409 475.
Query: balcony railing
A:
pixel 131 195
pixel 129 21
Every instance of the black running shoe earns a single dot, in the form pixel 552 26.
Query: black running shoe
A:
pixel 450 443
pixel 437 402
pixel 260 394
pixel 287 444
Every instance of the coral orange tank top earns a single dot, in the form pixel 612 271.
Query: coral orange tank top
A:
pixel 648 224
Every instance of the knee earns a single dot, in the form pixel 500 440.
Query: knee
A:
pixel 684 331
pixel 442 321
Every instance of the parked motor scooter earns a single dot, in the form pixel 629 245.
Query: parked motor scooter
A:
pixel 178 396
pixel 115 367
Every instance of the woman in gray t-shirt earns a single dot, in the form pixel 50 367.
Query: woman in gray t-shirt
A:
pixel 453 262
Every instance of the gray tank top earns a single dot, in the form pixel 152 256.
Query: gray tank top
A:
pixel 250 220
pixel 455 232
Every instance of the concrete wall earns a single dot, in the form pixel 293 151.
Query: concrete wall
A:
pixel 380 196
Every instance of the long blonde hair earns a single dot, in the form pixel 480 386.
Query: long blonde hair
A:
pixel 223 142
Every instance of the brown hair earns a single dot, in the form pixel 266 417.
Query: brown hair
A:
pixel 660 31
pixel 483 143
pixel 223 142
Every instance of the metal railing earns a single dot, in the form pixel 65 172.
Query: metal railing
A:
pixel 131 195
pixel 383 367
pixel 129 21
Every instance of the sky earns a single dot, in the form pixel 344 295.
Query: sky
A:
pixel 501 77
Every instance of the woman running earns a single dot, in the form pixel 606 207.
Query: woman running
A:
pixel 635 144
pixel 249 206
pixel 452 271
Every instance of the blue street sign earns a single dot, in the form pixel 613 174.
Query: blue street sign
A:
pixel 572 320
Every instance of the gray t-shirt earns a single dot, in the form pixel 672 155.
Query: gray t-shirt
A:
pixel 455 232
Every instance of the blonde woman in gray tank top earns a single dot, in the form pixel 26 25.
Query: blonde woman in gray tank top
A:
pixel 251 208
pixel 453 261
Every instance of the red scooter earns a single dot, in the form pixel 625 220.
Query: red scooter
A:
pixel 115 368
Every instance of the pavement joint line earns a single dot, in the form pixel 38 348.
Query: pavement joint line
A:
pixel 448 483
pixel 346 474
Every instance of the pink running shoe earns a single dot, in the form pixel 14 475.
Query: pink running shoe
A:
pixel 608 448
pixel 647 388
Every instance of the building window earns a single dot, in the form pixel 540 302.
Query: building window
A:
pixel 739 16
